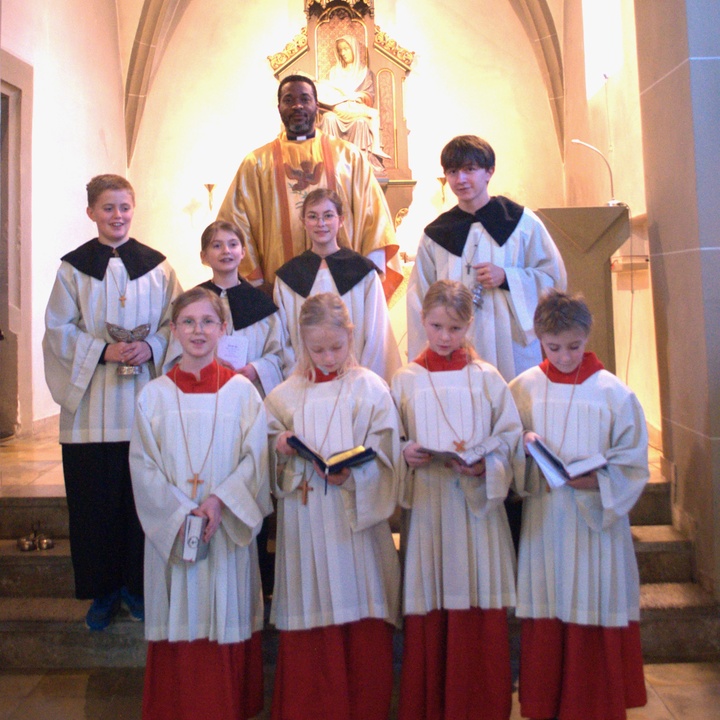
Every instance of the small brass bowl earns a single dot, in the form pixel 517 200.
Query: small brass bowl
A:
pixel 27 543
pixel 44 542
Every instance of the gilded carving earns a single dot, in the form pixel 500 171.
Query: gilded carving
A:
pixel 296 47
pixel 386 45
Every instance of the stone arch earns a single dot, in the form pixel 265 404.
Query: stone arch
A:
pixel 159 18
pixel 537 20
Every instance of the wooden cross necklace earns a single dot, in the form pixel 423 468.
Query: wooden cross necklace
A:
pixel 122 293
pixel 195 479
pixel 460 443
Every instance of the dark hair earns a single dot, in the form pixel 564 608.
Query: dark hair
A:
pixel 559 311
pixel 466 149
pixel 194 295
pixel 318 195
pixel 296 78
pixel 211 230
pixel 100 183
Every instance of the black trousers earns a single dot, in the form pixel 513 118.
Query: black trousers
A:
pixel 106 539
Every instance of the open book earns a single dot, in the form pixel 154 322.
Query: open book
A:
pixel 336 462
pixel 556 472
pixel 466 457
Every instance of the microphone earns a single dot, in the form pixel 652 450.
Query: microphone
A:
pixel 612 201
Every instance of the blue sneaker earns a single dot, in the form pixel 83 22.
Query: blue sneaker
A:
pixel 134 603
pixel 102 611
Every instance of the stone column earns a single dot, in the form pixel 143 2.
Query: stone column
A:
pixel 678 45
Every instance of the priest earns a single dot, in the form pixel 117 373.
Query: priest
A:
pixel 265 197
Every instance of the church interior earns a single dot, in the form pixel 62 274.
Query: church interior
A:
pixel 605 117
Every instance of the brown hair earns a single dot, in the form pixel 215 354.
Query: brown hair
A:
pixel 100 183
pixel 212 229
pixel 314 197
pixel 466 150
pixel 324 309
pixel 194 295
pixel 559 311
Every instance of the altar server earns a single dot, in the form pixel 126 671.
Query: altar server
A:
pixel 199 447
pixel 337 574
pixel 578 585
pixel 459 559
pixel 327 267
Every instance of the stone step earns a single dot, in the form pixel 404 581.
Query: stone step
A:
pixel 20 515
pixel 679 622
pixel 36 573
pixel 50 633
pixel 663 554
pixel 654 506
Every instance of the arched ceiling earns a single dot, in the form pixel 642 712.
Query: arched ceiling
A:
pixel 159 18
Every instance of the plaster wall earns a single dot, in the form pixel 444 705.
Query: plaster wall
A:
pixel 610 120
pixel 475 72
pixel 78 132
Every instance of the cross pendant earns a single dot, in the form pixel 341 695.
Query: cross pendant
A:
pixel 122 300
pixel 305 488
pixel 195 481
pixel 468 268
pixel 459 445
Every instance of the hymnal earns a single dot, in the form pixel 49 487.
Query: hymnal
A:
pixel 556 472
pixel 336 462
pixel 233 349
pixel 466 457
pixel 194 547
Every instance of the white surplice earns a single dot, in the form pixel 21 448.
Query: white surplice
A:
pixel 219 598
pixel 502 332
pixel 96 404
pixel 374 343
pixel 336 561
pixel 577 561
pixel 459 549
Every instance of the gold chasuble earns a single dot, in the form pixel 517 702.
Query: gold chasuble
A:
pixel 265 201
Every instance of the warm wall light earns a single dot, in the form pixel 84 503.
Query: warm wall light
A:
pixel 210 187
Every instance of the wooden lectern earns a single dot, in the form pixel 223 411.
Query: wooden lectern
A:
pixel 587 237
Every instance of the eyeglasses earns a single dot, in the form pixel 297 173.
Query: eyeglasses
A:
pixel 189 325
pixel 327 217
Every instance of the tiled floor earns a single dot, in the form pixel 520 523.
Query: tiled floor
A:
pixel 675 692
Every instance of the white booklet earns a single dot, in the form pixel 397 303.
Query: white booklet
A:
pixel 556 472
pixel 233 349
pixel 194 547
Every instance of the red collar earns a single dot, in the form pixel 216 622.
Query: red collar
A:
pixel 208 382
pixel 589 366
pixel 318 376
pixel 433 362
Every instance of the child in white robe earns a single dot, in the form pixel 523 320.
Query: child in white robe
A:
pixel 199 446
pixel 578 584
pixel 459 559
pixel 326 267
pixel 91 375
pixel 500 250
pixel 254 343
pixel 337 574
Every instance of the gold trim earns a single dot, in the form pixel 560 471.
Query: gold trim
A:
pixel 389 47
pixel 297 47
